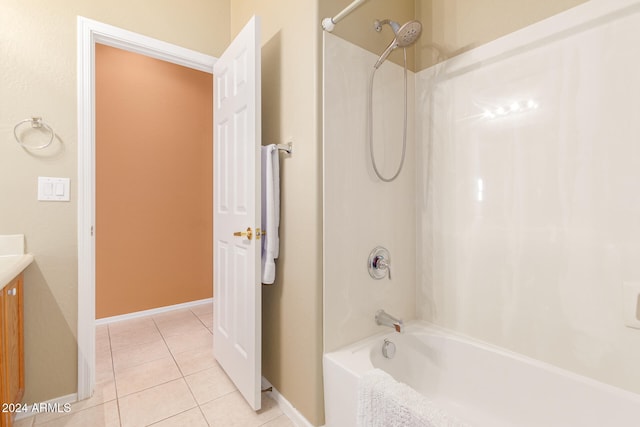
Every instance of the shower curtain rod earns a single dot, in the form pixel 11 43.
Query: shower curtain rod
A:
pixel 328 24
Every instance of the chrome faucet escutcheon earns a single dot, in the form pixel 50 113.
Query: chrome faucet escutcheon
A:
pixel 379 263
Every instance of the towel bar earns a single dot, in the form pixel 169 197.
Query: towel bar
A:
pixel 287 148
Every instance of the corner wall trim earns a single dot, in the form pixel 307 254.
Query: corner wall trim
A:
pixel 151 312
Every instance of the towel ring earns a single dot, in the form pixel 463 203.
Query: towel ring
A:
pixel 36 123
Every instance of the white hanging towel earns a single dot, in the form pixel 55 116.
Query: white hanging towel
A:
pixel 270 211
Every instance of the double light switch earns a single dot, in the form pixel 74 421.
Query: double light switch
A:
pixel 53 189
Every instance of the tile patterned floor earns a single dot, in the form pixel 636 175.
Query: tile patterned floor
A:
pixel 160 371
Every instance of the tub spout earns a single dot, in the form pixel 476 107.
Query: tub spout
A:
pixel 385 319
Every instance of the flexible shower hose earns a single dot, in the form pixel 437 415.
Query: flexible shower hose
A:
pixel 370 124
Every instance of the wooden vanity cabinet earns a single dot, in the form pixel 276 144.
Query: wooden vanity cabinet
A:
pixel 11 349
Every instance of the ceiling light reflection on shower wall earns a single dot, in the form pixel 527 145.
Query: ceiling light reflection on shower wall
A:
pixel 515 107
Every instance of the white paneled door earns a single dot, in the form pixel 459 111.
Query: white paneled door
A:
pixel 237 334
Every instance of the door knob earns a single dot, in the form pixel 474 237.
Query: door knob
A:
pixel 248 234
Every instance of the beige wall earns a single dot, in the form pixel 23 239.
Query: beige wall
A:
pixel 450 27
pixel 357 27
pixel 154 183
pixel 456 26
pixel 292 308
pixel 38 77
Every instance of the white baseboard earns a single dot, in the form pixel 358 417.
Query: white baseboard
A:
pixel 287 408
pixel 144 313
pixel 60 401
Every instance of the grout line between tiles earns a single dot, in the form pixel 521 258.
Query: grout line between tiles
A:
pixel 204 416
pixel 165 419
pixel 200 320
pixel 173 356
pixel 113 371
pixel 149 388
pixel 183 375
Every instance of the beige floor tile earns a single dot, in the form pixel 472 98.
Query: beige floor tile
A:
pixel 181 343
pixel 134 338
pixel 24 422
pixel 173 316
pixel 210 384
pixel 155 404
pixel 105 415
pixel 104 366
pixel 232 410
pixel 197 360
pixel 201 309
pixel 139 324
pixel 281 421
pixel 147 375
pixel 139 354
pixel 181 326
pixel 190 418
pixel 207 320
pixel 133 332
pixel 102 338
pixel 162 367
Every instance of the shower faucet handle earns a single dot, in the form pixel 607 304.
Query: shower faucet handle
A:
pixel 379 264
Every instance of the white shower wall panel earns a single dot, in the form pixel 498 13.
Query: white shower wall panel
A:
pixel 360 211
pixel 529 184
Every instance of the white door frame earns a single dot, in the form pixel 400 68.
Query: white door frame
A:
pixel 89 33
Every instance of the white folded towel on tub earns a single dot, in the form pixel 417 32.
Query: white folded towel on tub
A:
pixel 385 402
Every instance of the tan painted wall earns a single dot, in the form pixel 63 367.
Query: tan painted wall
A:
pixel 357 27
pixel 154 183
pixel 456 26
pixel 38 77
pixel 292 308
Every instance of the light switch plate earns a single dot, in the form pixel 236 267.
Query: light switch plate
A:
pixel 53 189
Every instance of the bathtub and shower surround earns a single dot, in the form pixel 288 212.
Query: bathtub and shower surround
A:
pixel 526 207
pixel 462 381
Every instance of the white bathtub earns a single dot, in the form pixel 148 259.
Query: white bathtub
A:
pixel 479 384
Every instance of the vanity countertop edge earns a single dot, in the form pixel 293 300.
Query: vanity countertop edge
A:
pixel 11 266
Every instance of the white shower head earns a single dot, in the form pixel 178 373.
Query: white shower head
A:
pixel 405 36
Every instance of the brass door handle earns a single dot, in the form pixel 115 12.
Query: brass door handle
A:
pixel 248 234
